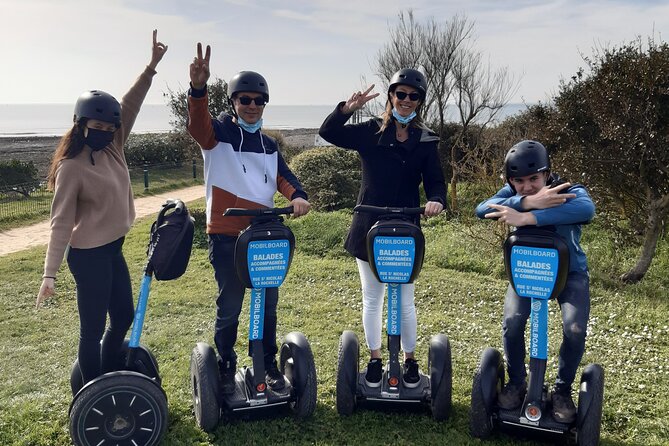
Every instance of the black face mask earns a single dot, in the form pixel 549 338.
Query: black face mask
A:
pixel 98 139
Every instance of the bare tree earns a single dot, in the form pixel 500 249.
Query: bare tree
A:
pixel 454 73
pixel 481 92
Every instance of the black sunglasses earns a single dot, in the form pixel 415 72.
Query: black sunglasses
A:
pixel 246 100
pixel 402 96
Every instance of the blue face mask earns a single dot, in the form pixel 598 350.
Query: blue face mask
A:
pixel 251 128
pixel 401 119
pixel 98 139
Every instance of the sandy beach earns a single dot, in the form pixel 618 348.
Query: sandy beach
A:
pixel 38 149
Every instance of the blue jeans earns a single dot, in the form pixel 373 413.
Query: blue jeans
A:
pixel 230 298
pixel 575 307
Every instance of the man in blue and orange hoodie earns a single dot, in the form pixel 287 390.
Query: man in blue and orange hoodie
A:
pixel 242 168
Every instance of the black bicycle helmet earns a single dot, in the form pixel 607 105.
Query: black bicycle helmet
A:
pixel 525 158
pixel 97 104
pixel 410 77
pixel 248 81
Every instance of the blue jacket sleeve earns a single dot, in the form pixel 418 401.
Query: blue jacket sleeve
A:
pixel 578 210
pixel 504 197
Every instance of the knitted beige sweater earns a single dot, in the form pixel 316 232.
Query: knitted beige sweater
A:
pixel 93 203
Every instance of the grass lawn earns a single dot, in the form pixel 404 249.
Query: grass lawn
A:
pixel 459 293
pixel 24 211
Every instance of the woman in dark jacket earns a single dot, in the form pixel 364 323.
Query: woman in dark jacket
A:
pixel 397 152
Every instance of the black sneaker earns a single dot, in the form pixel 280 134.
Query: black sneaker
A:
pixel 374 372
pixel 512 396
pixel 273 377
pixel 564 410
pixel 227 370
pixel 411 377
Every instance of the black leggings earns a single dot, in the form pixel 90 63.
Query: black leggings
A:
pixel 103 286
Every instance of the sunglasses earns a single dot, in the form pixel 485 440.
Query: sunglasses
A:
pixel 413 97
pixel 246 100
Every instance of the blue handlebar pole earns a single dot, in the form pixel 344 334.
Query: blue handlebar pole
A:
pixel 140 311
pixel 394 327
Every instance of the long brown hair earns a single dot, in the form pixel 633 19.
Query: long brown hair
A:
pixel 387 116
pixel 70 145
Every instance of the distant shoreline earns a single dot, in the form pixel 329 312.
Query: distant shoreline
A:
pixel 39 148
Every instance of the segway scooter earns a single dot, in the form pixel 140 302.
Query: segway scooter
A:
pixel 263 254
pixel 537 264
pixel 128 406
pixel 396 248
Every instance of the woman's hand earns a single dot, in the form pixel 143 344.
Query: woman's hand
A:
pixel 157 52
pixel 547 197
pixel 511 217
pixel 47 290
pixel 358 100
pixel 433 208
pixel 199 69
pixel 300 207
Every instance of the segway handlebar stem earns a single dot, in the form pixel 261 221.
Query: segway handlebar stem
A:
pixel 389 210
pixel 240 212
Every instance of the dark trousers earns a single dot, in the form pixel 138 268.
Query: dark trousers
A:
pixel 230 298
pixel 575 307
pixel 103 286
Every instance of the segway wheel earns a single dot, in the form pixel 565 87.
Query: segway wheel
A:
pixel 119 408
pixel 296 362
pixel 205 380
pixel 590 400
pixel 441 377
pixel 488 383
pixel 145 363
pixel 347 372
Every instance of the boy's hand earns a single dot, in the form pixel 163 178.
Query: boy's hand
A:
pixel 547 197
pixel 511 217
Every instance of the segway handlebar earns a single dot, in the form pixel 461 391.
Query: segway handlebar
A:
pixel 388 210
pixel 241 212
pixel 171 203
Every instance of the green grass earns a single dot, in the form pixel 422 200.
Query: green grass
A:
pixel 15 213
pixel 459 293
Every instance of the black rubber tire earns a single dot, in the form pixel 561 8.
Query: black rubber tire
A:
pixel 297 363
pixel 441 377
pixel 146 355
pixel 590 401
pixel 347 372
pixel 119 407
pixel 205 381
pixel 480 412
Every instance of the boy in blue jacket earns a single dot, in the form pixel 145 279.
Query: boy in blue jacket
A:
pixel 535 197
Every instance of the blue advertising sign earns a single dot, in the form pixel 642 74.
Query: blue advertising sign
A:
pixel 257 318
pixel 539 329
pixel 534 271
pixel 394 304
pixel 394 258
pixel 268 262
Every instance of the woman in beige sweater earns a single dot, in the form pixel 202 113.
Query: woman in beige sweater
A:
pixel 92 210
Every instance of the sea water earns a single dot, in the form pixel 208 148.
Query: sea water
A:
pixel 56 119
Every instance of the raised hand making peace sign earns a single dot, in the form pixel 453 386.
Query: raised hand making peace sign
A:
pixel 158 50
pixel 358 100
pixel 199 69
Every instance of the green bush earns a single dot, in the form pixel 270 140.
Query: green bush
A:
pixel 331 176
pixel 21 176
pixel 156 148
pixel 321 234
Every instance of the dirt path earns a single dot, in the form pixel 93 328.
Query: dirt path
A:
pixel 18 239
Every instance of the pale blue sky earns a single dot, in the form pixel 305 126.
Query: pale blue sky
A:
pixel 310 51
